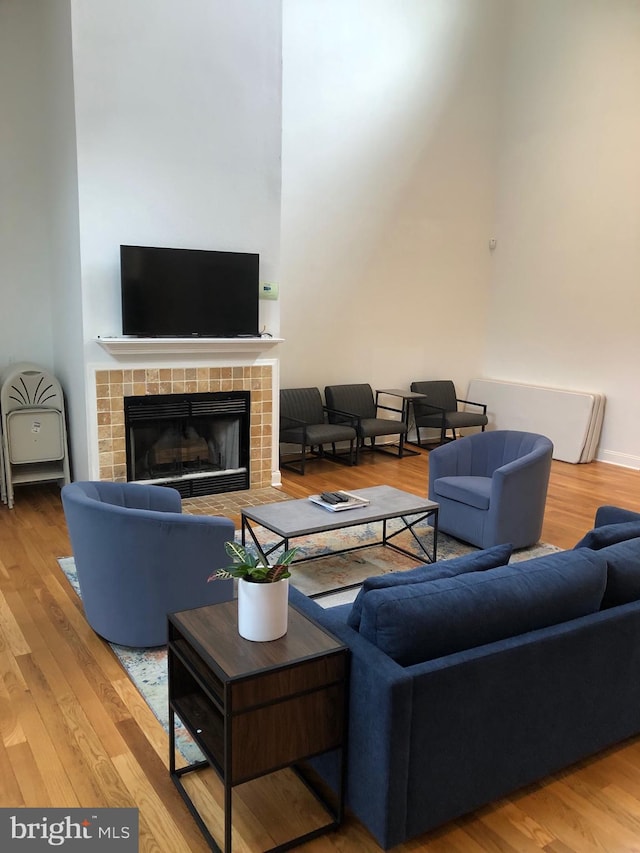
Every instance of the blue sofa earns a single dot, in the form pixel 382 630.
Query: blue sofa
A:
pixel 486 677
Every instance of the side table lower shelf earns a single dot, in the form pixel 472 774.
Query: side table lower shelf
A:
pixel 258 710
pixel 331 810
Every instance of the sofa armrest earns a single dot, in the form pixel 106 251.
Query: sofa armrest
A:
pixel 483 406
pixel 614 515
pixel 380 723
pixel 339 416
pixel 289 422
pixel 352 422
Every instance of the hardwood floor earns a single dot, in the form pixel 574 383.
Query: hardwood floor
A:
pixel 75 732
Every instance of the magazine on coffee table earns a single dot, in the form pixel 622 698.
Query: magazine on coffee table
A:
pixel 349 501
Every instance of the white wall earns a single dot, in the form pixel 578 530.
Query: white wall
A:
pixel 178 119
pixel 64 236
pixel 26 332
pixel 389 128
pixel 127 121
pixel 178 134
pixel 565 296
pixel 413 131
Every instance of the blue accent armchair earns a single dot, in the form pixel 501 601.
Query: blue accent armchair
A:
pixel 138 558
pixel 492 487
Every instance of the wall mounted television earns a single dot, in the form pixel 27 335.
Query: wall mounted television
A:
pixel 188 293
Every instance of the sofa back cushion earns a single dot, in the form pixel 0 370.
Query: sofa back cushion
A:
pixel 477 561
pixel 623 572
pixel 609 534
pixel 418 622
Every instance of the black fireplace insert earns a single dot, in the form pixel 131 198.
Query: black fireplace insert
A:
pixel 196 443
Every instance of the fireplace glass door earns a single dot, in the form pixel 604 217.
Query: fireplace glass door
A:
pixel 197 443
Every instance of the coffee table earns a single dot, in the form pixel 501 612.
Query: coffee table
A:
pixel 292 519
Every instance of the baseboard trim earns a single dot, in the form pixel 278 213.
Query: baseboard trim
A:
pixel 624 460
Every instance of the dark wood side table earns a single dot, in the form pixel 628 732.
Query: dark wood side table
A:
pixel 255 708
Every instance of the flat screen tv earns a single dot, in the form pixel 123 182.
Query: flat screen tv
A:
pixel 188 293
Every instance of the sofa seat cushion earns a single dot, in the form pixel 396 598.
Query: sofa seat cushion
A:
pixel 623 572
pixel 381 426
pixel 417 622
pixel 473 491
pixel 477 561
pixel 317 434
pixel 609 534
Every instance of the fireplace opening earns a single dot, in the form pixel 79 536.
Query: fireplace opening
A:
pixel 196 443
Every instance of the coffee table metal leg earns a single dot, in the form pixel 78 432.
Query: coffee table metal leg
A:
pixel 263 552
pixel 435 536
pixel 409 525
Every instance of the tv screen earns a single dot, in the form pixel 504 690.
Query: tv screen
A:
pixel 188 292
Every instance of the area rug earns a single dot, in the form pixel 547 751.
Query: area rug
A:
pixel 324 570
pixel 147 668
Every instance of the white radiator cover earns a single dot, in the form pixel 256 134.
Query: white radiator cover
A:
pixel 571 419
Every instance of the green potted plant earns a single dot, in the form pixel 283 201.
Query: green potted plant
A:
pixel 263 592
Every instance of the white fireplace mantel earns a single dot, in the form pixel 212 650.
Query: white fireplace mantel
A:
pixel 157 366
pixel 130 346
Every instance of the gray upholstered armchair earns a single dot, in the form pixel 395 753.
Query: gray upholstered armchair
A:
pixel 304 422
pixel 492 487
pixel 439 410
pixel 138 558
pixel 357 401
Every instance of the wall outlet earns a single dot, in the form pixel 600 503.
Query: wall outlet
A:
pixel 269 290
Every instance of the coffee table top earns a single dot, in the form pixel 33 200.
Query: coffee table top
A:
pixel 301 517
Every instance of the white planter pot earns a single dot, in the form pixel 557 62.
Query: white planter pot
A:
pixel 263 609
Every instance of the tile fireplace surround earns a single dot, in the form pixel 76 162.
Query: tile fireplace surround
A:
pixel 113 385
